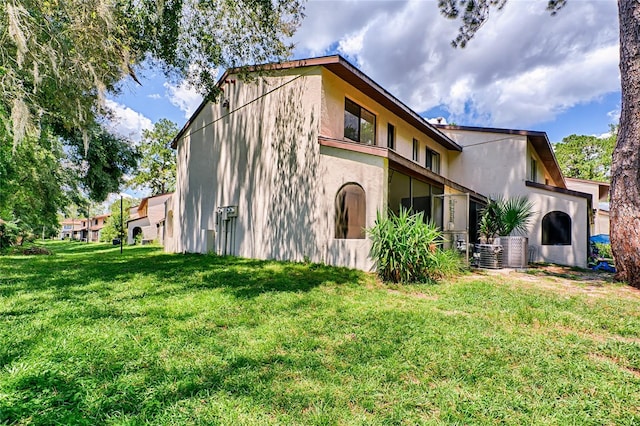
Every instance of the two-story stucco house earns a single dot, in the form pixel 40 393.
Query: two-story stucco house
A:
pixel 96 223
pixel 296 163
pixel 68 228
pixel 147 219
pixel 600 195
pixel 511 163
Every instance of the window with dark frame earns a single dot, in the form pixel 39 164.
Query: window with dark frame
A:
pixel 350 212
pixel 416 146
pixel 391 136
pixel 534 170
pixel 556 229
pixel 359 123
pixel 432 161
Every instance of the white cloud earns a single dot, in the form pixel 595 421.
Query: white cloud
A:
pixel 154 96
pixel 126 122
pixel 614 115
pixel 523 67
pixel 184 96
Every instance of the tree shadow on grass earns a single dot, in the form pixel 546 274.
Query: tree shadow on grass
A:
pixel 99 267
pixel 99 284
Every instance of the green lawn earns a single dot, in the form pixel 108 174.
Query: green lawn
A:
pixel 90 336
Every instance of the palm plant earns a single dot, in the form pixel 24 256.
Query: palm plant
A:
pixel 503 217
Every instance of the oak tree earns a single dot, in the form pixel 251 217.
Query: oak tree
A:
pixel 586 156
pixel 157 165
pixel 58 59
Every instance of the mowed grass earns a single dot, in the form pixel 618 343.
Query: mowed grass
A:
pixel 90 336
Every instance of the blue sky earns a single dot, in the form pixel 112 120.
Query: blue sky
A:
pixel 523 70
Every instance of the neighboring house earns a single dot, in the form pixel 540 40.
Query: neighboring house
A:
pixel 77 229
pixel 296 164
pixel 148 219
pixel 511 163
pixel 96 223
pixel 600 194
pixel 133 212
pixel 67 227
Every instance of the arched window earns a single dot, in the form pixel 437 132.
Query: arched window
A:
pixel 350 212
pixel 556 229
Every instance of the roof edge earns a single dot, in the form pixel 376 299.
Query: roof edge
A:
pixel 326 61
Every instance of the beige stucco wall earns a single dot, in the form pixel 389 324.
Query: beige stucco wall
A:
pixel 335 90
pixel 266 159
pixel 586 187
pixel 545 202
pixel 337 168
pixel 602 225
pixel 499 164
pixel 149 224
pixel 491 163
pixel 145 227
pixel 169 224
pixel 601 219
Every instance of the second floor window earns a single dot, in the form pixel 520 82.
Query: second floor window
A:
pixel 416 145
pixel 391 136
pixel 359 124
pixel 534 170
pixel 433 161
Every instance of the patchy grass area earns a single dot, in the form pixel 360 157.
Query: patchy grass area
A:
pixel 89 336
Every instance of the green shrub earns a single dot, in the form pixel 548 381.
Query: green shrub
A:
pixel 604 250
pixel 445 264
pixel 405 249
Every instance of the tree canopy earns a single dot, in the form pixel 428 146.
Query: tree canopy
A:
pixel 586 157
pixel 157 165
pixel 58 59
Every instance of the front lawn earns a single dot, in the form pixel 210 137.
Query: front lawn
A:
pixel 90 336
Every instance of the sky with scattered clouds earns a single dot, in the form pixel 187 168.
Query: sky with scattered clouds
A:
pixel 524 69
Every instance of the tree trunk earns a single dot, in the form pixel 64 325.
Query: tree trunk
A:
pixel 625 170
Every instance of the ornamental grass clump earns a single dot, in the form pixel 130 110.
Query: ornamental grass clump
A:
pixel 405 249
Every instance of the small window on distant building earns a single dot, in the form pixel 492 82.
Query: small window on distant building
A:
pixel 433 161
pixel 350 210
pixel 556 229
pixel 534 170
pixel 391 136
pixel 359 124
pixel 416 146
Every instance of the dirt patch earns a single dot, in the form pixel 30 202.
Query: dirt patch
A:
pixel 617 362
pixel 565 279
